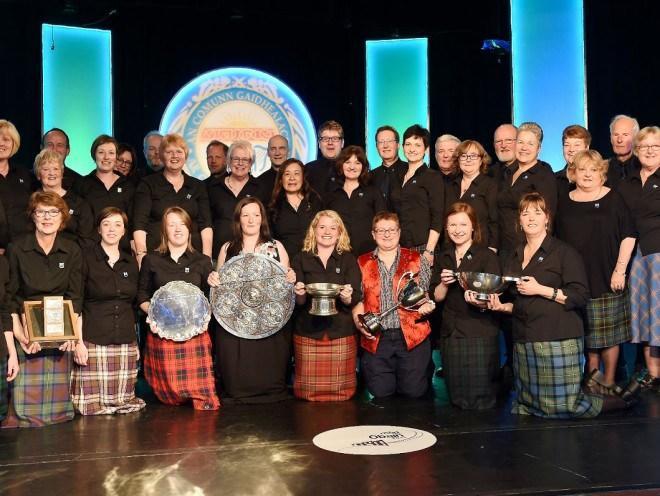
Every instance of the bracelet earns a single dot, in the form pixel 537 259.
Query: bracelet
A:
pixel 554 294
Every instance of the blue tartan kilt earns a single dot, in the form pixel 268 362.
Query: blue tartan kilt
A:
pixel 645 298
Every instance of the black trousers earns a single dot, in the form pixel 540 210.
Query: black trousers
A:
pixel 395 369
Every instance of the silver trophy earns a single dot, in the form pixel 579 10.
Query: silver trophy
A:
pixel 179 311
pixel 253 299
pixel 323 296
pixel 409 297
pixel 483 283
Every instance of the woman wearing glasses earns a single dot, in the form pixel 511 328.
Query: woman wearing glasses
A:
pixel 226 190
pixel 169 188
pixel 473 186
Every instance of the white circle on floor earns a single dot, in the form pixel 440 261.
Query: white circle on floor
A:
pixel 374 440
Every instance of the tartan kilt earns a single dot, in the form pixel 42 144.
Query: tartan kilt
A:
pixel 608 320
pixel 471 367
pixel 4 388
pixel 40 393
pixel 325 368
pixel 645 298
pixel 181 371
pixel 548 380
pixel 106 385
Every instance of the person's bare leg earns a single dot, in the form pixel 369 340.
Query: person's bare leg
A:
pixel 610 357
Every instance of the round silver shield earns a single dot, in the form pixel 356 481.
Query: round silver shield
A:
pixel 179 311
pixel 253 300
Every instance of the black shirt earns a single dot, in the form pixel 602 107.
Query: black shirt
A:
pixel 341 269
pixel 459 318
pixel 535 318
pixel 321 175
pixel 539 179
pixel 564 186
pixel 618 171
pixel 357 212
pixel 80 226
pixel 159 268
pixel 384 178
pixel 155 194
pixel 496 171
pixel 482 196
pixel 71 179
pixel 5 304
pixel 33 274
pixel 109 296
pixel 644 204
pixel 266 181
pixel 289 226
pixel 223 202
pixel 419 204
pixel 15 191
pixel 595 229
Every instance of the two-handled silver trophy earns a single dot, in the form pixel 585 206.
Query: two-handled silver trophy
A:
pixel 409 297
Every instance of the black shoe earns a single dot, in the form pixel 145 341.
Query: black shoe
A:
pixel 630 393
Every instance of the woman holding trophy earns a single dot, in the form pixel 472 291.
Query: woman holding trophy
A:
pixel 178 371
pixel 324 342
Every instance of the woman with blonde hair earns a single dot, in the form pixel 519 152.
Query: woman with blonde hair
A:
pixel 325 347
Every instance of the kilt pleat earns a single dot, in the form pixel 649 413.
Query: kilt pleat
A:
pixel 40 393
pixel 645 299
pixel 471 367
pixel 106 385
pixel 548 379
pixel 325 368
pixel 4 388
pixel 179 372
pixel 608 320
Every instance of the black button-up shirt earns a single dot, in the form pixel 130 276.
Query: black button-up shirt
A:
pixel 384 178
pixel 159 268
pixel 5 304
pixel 35 274
pixel 223 202
pixel 357 212
pixel 341 269
pixel 618 171
pixel 71 179
pixel 109 296
pixel 482 196
pixel 155 194
pixel 420 205
pixel 289 226
pixel 321 175
pixel 15 190
pixel 80 226
pixel 644 204
pixel 564 186
pixel 459 318
pixel 266 181
pixel 536 318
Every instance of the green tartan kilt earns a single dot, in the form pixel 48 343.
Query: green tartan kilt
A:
pixel 608 320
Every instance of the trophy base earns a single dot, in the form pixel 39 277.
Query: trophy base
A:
pixel 483 296
pixel 370 322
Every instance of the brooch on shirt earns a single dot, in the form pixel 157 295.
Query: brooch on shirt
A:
pixel 118 190
pixel 540 259
pixel 360 193
pixel 337 270
pixel 188 196
pixel 61 265
pixel 525 176
pixel 655 186
pixel 187 270
pixel 125 274
pixel 20 181
pixel 70 211
pixel 469 256
pixel 414 181
pixel 248 196
pixel 596 205
pixel 332 179
pixel 472 195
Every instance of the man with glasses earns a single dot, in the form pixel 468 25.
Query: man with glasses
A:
pixel 504 142
pixel 623 130
pixel 385 175
pixel 321 173
pixel 397 360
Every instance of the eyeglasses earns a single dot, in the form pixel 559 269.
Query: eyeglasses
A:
pixel 465 157
pixel 383 232
pixel 650 148
pixel 330 139
pixel 50 213
pixel 241 161
pixel 125 162
pixel 385 142
pixel 508 141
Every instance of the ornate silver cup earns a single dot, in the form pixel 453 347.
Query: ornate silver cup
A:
pixel 483 283
pixel 323 298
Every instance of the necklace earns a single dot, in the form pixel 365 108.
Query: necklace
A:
pixel 587 199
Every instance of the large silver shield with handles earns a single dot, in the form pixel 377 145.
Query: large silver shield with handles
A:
pixel 179 311
pixel 253 300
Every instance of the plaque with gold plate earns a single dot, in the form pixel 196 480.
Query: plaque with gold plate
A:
pixel 50 322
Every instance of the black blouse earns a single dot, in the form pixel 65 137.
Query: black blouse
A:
pixel 109 296
pixel 618 171
pixel 321 175
pixel 482 196
pixel 644 204
pixel 15 191
pixel 459 318
pixel 289 226
pixel 155 194
pixel 33 274
pixel 539 179
pixel 341 269
pixel 80 226
pixel 535 318
pixel 357 212
pixel 385 178
pixel 159 268
pixel 419 204
pixel 595 229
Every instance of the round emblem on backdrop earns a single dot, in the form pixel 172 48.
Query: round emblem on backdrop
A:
pixel 237 103
pixel 374 440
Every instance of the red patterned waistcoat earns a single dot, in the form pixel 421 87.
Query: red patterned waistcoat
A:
pixel 413 332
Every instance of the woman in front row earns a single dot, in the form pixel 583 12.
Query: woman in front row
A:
pixel 103 381
pixel 325 347
pixel 177 371
pixel 252 370
pixel 547 326
pixel 469 335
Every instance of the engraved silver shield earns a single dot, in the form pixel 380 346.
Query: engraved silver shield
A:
pixel 253 300
pixel 179 311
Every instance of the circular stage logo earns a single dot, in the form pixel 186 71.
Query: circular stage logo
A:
pixel 374 440
pixel 237 103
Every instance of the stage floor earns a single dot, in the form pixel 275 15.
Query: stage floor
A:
pixel 268 450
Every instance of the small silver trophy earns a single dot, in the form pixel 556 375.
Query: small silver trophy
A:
pixel 179 311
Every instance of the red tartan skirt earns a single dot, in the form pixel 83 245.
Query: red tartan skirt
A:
pixel 325 368
pixel 179 372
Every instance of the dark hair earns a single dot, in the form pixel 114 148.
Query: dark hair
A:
pixel 125 147
pixel 279 195
pixel 102 140
pixel 361 157
pixel 55 129
pixel 535 200
pixel 466 208
pixel 463 148
pixel 109 211
pixel 387 128
pixel 576 131
pixel 331 126
pixel 49 199
pixel 419 132
pixel 217 143
pixel 236 244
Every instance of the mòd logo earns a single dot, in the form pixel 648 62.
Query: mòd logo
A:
pixel 238 103
pixel 374 440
